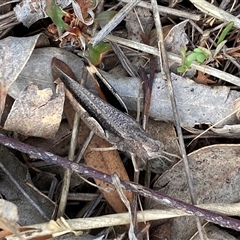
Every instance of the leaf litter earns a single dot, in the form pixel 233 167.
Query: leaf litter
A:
pixel 198 106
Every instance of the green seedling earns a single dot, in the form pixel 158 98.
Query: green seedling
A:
pixel 225 32
pixel 201 54
pixel 104 17
pixel 56 14
pixel 96 52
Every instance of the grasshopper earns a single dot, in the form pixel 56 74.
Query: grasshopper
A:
pixel 119 128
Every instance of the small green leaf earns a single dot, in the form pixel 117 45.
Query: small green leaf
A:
pixel 225 32
pixel 102 47
pixel 96 52
pixel 56 14
pixel 192 56
pixel 197 50
pixel 201 57
pixel 104 17
pixel 205 51
pixel 182 69
pixel 188 63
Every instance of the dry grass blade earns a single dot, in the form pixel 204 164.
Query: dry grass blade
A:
pixel 215 12
pixel 114 22
pixel 171 56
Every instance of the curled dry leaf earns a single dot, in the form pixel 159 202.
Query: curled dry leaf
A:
pixel 40 116
pixel 84 8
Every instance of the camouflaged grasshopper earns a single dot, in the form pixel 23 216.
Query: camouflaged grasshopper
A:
pixel 106 121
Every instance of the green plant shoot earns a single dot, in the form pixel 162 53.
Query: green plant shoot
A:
pixel 96 52
pixel 56 14
pixel 225 32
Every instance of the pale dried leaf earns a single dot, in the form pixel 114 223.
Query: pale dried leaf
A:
pixel 138 21
pixel 30 11
pixel 215 171
pixel 38 69
pixel 60 227
pixel 8 218
pixel 40 116
pixel 78 11
pixel 237 106
pixel 176 38
pixel 194 101
pixel 14 53
pixel 165 133
pixel 8 210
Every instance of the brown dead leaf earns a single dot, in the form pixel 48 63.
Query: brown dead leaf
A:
pixel 203 78
pixel 39 115
pixel 84 6
pixel 14 53
pixel 108 162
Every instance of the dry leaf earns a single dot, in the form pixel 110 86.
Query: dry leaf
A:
pixel 108 162
pixel 61 227
pixel 14 53
pixel 138 21
pixel 83 9
pixel 40 59
pixel 40 116
pixel 215 233
pixel 194 101
pixel 166 133
pixel 237 106
pixel 203 78
pixel 8 218
pixel 216 178
pixel 33 206
pixel 30 11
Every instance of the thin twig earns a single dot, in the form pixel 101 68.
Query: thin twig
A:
pixel 167 10
pixel 71 154
pixel 23 192
pixel 167 72
pixel 114 22
pixel 171 56
pixel 219 219
pixel 67 172
pixel 215 12
pixel 119 219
